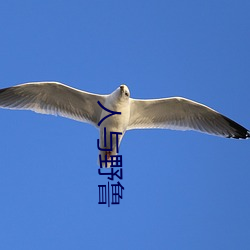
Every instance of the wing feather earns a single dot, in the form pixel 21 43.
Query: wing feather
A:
pixel 182 114
pixel 53 98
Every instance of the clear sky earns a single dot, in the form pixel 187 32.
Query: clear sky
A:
pixel 183 190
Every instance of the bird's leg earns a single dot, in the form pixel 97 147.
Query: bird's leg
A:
pixel 108 153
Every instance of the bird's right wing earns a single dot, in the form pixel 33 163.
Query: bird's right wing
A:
pixel 182 114
pixel 53 98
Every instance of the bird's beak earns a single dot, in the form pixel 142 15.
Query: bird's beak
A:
pixel 122 88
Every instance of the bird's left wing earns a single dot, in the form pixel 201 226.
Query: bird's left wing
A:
pixel 53 98
pixel 182 114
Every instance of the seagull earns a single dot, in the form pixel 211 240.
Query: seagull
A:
pixel 117 112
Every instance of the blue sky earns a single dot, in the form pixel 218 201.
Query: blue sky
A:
pixel 183 190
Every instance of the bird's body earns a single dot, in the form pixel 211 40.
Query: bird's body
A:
pixel 115 123
pixel 167 113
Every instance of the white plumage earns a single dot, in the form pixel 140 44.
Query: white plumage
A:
pixel 168 113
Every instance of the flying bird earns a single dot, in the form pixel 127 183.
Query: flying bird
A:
pixel 175 113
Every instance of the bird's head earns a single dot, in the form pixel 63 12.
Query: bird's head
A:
pixel 121 94
pixel 124 91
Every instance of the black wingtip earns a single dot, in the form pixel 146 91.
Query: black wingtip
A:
pixel 239 131
pixel 3 90
pixel 248 134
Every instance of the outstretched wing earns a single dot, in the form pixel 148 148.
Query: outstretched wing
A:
pixel 53 98
pixel 182 114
